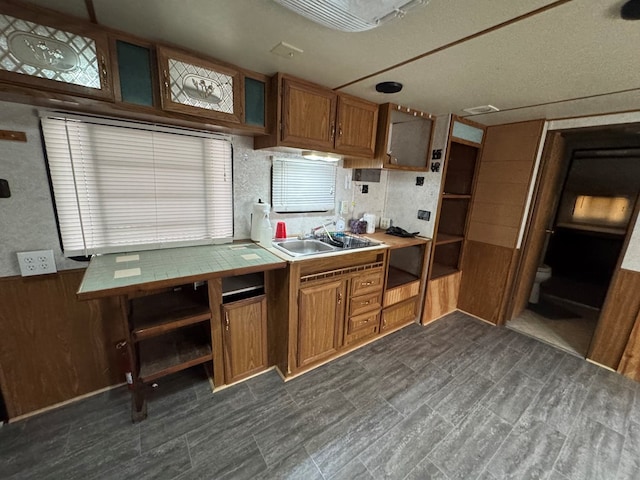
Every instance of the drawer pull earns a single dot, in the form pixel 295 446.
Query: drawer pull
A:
pixel 366 284
pixel 365 303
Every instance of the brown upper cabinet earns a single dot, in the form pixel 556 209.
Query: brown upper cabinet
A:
pixel 54 53
pixel 313 117
pixel 403 141
pixel 196 87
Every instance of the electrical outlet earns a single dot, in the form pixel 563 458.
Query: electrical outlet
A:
pixel 419 181
pixel 424 214
pixel 38 262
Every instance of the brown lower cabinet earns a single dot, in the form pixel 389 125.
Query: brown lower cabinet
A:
pixel 321 314
pixel 399 314
pixel 245 338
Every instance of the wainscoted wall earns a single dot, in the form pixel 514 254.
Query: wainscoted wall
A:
pixel 53 347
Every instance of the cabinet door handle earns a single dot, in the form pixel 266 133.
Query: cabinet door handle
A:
pixel 103 68
pixel 226 321
pixel 339 298
pixel 333 131
pixel 339 130
pixel 165 74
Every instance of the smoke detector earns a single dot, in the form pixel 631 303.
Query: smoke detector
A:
pixel 351 15
pixel 481 109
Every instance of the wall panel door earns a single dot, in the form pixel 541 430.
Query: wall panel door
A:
pixel 497 209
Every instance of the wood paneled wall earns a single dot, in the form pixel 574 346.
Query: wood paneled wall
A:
pixel 617 319
pixel 54 347
pixel 486 273
pixel 441 297
pixel 630 363
pixel 506 168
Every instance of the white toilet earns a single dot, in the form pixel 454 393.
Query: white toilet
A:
pixel 542 274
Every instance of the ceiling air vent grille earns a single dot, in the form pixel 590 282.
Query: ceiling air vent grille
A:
pixel 481 109
pixel 351 15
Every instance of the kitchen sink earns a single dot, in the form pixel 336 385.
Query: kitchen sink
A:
pixel 304 247
pixel 323 244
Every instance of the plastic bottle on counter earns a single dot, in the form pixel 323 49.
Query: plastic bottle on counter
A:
pixel 266 233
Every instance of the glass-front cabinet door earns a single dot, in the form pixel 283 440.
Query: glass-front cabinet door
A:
pixel 53 53
pixel 193 86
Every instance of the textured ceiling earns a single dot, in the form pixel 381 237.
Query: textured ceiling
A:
pixel 574 58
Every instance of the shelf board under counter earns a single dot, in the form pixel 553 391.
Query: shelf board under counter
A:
pixel 444 238
pixel 155 315
pixel 175 351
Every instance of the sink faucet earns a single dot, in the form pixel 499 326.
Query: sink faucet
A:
pixel 324 225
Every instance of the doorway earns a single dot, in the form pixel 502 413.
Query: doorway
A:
pixel 592 181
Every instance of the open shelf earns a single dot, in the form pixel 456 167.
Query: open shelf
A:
pixel 154 315
pixel 174 351
pixel 397 277
pixel 242 284
pixel 455 196
pixel 439 270
pixel 444 238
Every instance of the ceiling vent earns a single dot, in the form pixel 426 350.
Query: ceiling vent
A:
pixel 351 15
pixel 481 109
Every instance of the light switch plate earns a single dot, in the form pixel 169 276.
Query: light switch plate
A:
pixel 37 262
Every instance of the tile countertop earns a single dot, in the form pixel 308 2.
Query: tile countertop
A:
pixel 119 273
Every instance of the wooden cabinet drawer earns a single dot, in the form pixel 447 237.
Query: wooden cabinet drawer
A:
pixel 399 315
pixel 362 327
pixel 401 293
pixel 367 283
pixel 361 322
pixel 364 303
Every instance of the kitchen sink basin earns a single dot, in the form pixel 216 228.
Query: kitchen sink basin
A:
pixel 304 247
pixel 323 244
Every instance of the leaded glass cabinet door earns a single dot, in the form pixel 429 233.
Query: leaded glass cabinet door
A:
pixel 190 85
pixel 50 52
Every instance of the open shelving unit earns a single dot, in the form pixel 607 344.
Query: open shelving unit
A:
pixel 462 160
pixel 455 201
pixel 169 331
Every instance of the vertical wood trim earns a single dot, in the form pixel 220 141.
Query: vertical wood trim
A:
pixel 630 362
pixel 545 201
pixel 617 318
pixel 215 304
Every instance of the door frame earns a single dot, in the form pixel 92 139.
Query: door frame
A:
pixel 544 202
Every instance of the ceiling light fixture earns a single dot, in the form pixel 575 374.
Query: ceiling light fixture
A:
pixel 324 156
pixel 388 87
pixel 351 15
pixel 481 109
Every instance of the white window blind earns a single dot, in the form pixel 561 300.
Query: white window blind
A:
pixel 301 185
pixel 119 185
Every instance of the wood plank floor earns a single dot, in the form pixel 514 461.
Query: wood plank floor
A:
pixel 458 399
